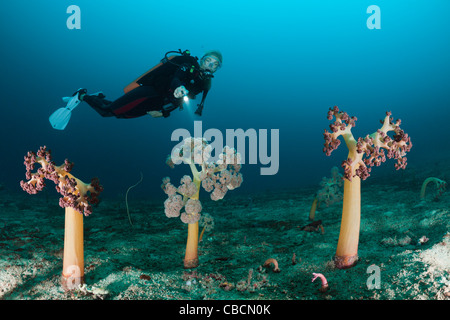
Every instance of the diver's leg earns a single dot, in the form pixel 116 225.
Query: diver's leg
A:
pixel 99 104
pixel 128 105
pixel 134 103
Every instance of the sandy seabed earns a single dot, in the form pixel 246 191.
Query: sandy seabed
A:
pixel 143 261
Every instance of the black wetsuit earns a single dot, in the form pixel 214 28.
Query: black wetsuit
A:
pixel 157 93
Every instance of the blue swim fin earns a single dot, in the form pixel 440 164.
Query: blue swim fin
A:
pixel 60 118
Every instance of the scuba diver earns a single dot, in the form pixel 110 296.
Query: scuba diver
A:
pixel 158 92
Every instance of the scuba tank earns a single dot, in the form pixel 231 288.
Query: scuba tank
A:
pixel 161 74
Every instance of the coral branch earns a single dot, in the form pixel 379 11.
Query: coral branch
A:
pixel 370 151
pixel 75 193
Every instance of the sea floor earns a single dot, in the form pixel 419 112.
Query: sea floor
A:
pixel 145 260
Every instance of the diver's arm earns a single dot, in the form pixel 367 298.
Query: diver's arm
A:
pixel 178 80
pixel 206 88
pixel 200 105
pixel 179 77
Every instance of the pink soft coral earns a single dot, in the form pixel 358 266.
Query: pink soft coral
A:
pixel 364 153
pixel 75 193
pixel 77 199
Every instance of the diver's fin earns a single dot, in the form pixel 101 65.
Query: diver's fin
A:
pixel 60 118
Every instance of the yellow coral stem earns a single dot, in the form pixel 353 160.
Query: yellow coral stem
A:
pixel 201 234
pixel 73 263
pixel 347 248
pixel 191 256
pixel 312 212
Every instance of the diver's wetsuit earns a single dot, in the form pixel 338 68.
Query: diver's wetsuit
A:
pixel 154 97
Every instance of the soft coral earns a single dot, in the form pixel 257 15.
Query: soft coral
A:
pixel 329 193
pixel 77 199
pixel 215 177
pixel 363 154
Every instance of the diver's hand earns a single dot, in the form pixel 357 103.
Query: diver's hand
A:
pixel 199 110
pixel 180 92
pixel 155 114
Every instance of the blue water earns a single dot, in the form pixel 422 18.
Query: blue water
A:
pixel 285 63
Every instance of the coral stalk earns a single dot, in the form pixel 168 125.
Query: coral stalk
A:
pixel 73 262
pixel 201 234
pixel 347 248
pixel 312 212
pixel 191 256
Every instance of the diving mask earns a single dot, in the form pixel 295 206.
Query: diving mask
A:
pixel 210 64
